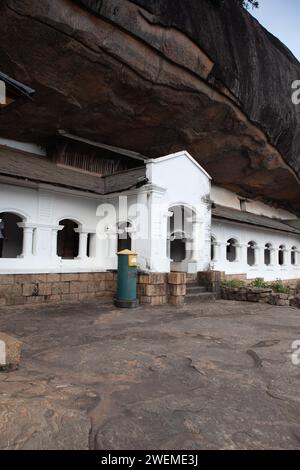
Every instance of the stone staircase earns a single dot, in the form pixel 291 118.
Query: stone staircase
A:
pixel 197 293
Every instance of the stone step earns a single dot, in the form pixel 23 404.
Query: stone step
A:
pixel 195 289
pixel 192 283
pixel 200 298
pixel 191 277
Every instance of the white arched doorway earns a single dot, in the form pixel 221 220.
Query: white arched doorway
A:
pixel 68 239
pixel 11 235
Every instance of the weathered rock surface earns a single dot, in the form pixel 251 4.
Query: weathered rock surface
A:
pixel 158 76
pixel 208 376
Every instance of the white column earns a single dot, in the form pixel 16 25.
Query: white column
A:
pixel 259 256
pixel 238 248
pixel 285 257
pixel 196 238
pixel 142 243
pixel 223 253
pixel 83 240
pixel 216 250
pixel 54 240
pixel 272 257
pixel 165 222
pixel 157 260
pixel 243 254
pixel 27 240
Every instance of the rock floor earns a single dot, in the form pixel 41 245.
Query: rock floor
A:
pixel 211 376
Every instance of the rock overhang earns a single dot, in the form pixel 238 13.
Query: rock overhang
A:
pixel 158 77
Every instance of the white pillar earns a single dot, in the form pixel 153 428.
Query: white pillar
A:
pixel 83 240
pixel 54 240
pixel 238 248
pixel 216 251
pixel 196 238
pixel 27 240
pixel 244 254
pixel 165 223
pixel 259 256
pixel 285 257
pixel 223 252
pixel 156 260
pixel 272 257
pixel 142 235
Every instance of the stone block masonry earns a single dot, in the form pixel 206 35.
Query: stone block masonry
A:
pixel 162 288
pixel 262 295
pixel 153 288
pixel 22 289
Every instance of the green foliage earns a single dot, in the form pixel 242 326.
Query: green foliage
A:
pixel 279 287
pixel 260 283
pixel 234 283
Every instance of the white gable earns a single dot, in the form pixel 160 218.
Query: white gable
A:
pixel 183 155
pixel 181 176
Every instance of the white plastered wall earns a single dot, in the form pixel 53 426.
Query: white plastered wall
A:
pixel 183 182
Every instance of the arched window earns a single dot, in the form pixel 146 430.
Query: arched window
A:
pixel 251 258
pixel 281 255
pixel 124 236
pixel 294 255
pixel 68 240
pixel 11 235
pixel 267 254
pixel 231 252
pixel 213 243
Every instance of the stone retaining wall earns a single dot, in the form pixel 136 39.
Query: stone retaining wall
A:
pixel 20 289
pixel 261 295
pixel 153 288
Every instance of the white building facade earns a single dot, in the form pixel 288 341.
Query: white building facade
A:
pixel 175 221
pixel 252 238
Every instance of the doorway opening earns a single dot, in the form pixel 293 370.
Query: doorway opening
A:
pixel 11 235
pixel 68 240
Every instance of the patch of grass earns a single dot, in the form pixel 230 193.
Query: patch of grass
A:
pixel 234 283
pixel 278 287
pixel 260 283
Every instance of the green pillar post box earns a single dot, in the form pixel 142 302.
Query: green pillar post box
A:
pixel 127 279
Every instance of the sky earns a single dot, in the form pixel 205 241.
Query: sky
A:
pixel 282 19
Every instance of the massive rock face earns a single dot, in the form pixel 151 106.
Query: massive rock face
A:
pixel 157 76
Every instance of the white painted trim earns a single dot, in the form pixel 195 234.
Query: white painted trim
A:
pixel 183 153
